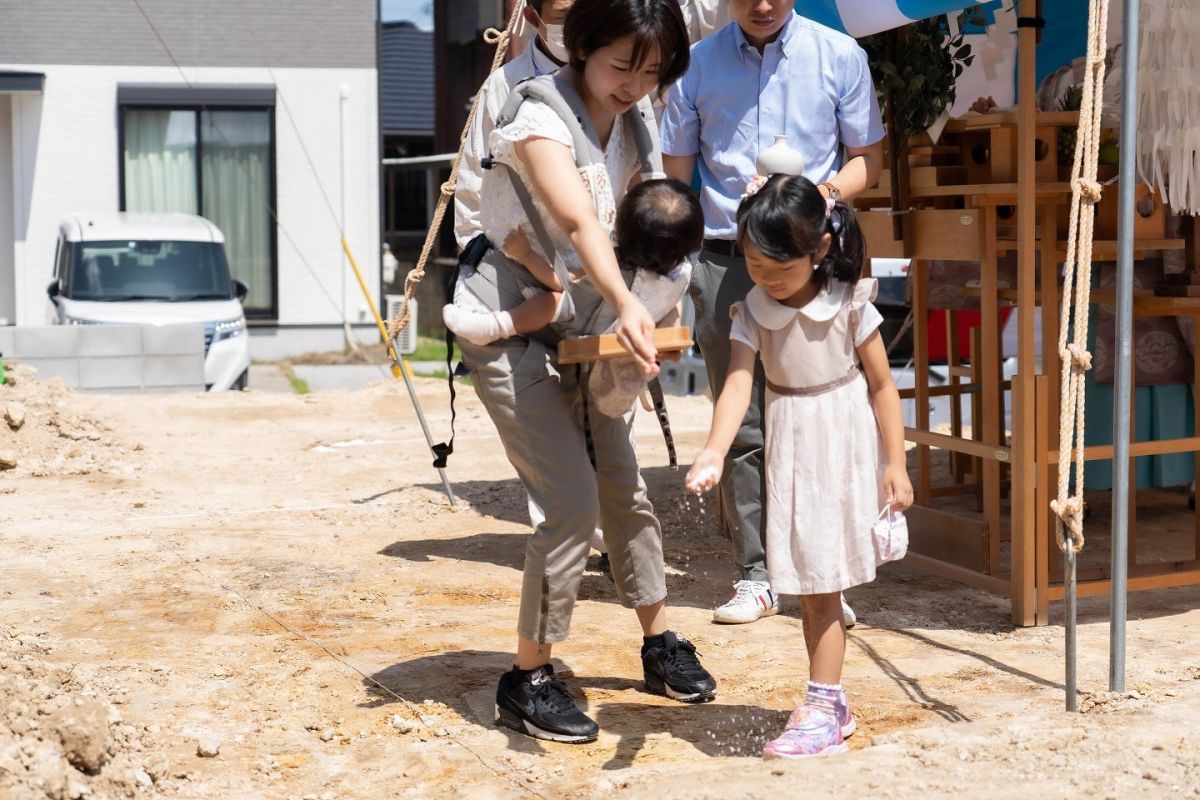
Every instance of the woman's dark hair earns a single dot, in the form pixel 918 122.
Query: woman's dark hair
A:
pixel 658 225
pixel 785 220
pixel 653 24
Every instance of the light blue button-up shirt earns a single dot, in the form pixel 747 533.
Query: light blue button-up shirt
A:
pixel 812 83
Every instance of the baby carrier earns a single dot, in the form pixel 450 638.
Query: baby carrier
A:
pixel 500 282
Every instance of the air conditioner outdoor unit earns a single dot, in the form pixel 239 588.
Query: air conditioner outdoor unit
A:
pixel 406 342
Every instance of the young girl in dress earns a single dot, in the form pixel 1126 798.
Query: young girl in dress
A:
pixel 834 433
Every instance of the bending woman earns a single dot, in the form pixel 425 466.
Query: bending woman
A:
pixel 620 51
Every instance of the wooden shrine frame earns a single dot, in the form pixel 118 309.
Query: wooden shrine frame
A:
pixel 952 214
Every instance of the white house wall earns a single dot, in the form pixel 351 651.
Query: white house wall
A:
pixel 220 33
pixel 65 159
pixel 27 112
pixel 8 304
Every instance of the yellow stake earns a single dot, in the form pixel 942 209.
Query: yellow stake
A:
pixel 397 362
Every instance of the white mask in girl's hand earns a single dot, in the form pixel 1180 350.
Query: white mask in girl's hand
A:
pixel 555 45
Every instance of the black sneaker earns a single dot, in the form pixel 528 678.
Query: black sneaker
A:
pixel 604 565
pixel 537 704
pixel 672 669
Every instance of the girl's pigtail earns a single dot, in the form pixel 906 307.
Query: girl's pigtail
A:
pixel 844 260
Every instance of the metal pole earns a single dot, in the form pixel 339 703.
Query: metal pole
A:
pixel 1124 341
pixel 412 393
pixel 383 176
pixel 398 365
pixel 431 191
pixel 1069 559
pixel 343 95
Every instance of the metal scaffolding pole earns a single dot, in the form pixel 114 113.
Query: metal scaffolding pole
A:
pixel 1072 626
pixel 1124 365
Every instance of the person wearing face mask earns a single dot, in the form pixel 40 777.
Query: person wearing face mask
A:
pixel 564 202
pixel 544 53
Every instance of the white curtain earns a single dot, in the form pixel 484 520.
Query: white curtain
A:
pixel 1169 101
pixel 235 171
pixel 160 161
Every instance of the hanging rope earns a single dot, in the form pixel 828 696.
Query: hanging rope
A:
pixel 1077 288
pixel 500 39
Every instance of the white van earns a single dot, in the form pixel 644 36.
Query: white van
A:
pixel 153 269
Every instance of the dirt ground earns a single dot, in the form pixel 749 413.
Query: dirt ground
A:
pixel 266 595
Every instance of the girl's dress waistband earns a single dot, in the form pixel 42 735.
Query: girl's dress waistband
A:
pixel 821 388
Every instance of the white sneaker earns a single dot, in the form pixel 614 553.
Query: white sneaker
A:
pixel 597 542
pixel 848 615
pixel 751 600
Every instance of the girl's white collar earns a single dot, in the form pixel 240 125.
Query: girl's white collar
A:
pixel 774 315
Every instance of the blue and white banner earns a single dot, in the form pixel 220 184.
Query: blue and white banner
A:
pixel 865 17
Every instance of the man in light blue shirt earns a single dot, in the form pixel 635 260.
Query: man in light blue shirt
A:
pixel 768 72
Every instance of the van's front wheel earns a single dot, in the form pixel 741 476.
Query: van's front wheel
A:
pixel 242 381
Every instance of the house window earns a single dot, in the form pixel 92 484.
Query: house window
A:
pixel 208 151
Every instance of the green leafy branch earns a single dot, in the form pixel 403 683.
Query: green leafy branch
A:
pixel 918 64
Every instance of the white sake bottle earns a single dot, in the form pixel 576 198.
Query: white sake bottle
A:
pixel 780 158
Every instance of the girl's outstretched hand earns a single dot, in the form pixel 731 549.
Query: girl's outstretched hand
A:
pixel 705 472
pixel 898 487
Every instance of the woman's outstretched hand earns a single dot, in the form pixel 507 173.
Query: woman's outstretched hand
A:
pixel 705 472
pixel 898 487
pixel 635 332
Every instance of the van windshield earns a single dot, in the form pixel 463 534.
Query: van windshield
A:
pixel 149 270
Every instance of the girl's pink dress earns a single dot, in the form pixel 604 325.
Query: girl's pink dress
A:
pixel 823 452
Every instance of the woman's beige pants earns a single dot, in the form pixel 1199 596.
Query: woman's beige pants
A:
pixel 535 407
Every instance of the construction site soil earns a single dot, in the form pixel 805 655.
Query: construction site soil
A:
pixel 268 596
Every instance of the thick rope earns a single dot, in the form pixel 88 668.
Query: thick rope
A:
pixel 1077 288
pixel 500 39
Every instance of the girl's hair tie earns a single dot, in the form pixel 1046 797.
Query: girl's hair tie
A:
pixel 756 183
pixel 835 220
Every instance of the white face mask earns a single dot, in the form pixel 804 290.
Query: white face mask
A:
pixel 555 44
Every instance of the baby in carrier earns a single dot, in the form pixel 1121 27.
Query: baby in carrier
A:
pixel 659 223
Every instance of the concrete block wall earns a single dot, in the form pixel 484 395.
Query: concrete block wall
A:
pixel 688 375
pixel 684 377
pixel 111 358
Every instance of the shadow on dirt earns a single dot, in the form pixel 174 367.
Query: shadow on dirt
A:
pixel 506 500
pixel 503 500
pixel 462 680
pixel 501 549
pixel 699 561
pixel 465 682
pixel 911 686
pixel 719 731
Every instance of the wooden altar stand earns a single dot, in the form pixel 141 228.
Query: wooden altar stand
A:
pixel 989 187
